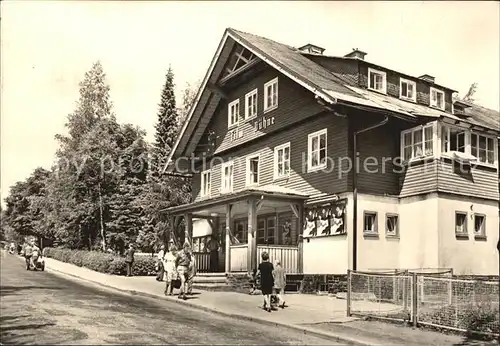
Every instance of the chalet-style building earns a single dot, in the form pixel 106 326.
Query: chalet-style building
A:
pixel 333 163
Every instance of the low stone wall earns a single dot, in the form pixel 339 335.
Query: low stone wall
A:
pixel 314 283
pixel 239 282
pixel 301 283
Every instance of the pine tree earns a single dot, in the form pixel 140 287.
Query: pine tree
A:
pixel 166 127
pixel 162 190
pixel 125 210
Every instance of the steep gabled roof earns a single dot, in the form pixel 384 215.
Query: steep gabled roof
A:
pixel 482 116
pixel 295 65
pixel 286 59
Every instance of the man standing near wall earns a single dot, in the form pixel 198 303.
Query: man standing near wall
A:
pixel 161 269
pixel 129 259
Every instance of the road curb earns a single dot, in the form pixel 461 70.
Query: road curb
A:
pixel 308 330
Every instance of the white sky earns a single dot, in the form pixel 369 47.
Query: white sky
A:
pixel 46 48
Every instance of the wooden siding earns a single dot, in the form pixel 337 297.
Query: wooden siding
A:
pixel 380 145
pixel 480 182
pixel 313 183
pixel 419 178
pixel 378 153
pixel 439 175
pixel 295 103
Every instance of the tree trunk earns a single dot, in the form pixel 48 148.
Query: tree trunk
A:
pixel 102 222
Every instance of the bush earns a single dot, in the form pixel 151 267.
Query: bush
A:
pixel 483 318
pixel 102 262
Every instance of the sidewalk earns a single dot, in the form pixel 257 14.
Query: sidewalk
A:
pixel 321 315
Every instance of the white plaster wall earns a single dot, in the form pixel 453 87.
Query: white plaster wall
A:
pixel 419 232
pixel 382 251
pixel 326 255
pixel 468 256
pixel 201 227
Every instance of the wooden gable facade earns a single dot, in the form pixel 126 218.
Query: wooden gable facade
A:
pixel 233 129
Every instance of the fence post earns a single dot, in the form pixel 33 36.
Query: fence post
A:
pixel 450 289
pixel 395 288
pixel 414 302
pixel 349 272
pixel 405 290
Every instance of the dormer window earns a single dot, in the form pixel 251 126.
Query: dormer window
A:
pixel 437 98
pixel 407 90
pixel 377 80
pixel 233 113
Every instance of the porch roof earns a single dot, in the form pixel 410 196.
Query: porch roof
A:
pixel 274 191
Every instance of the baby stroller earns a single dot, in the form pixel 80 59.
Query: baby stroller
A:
pixel 37 262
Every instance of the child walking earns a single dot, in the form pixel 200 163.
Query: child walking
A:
pixel 279 276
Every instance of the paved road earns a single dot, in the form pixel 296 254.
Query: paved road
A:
pixel 45 308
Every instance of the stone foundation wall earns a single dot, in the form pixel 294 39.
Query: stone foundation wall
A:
pixel 323 283
pixel 302 283
pixel 239 282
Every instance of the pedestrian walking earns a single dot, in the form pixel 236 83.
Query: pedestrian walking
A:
pixel 191 272
pixel 129 259
pixel 182 264
pixel 170 268
pixel 159 263
pixel 279 276
pixel 265 271
pixel 28 253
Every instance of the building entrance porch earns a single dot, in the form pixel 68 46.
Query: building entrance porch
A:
pixel 240 227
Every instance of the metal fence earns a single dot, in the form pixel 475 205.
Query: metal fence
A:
pixel 383 295
pixel 426 297
pixel 464 305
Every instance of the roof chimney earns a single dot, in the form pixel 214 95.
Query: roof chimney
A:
pixel 311 48
pixel 356 53
pixel 427 78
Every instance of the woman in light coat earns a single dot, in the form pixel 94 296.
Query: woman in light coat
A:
pixel 170 269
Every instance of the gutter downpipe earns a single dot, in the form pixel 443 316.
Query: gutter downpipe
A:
pixel 355 190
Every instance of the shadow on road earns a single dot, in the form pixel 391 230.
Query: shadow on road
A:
pixel 17 326
pixel 469 341
pixel 13 290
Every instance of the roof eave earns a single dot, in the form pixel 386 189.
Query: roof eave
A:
pixel 199 94
pixel 283 69
pixel 231 197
